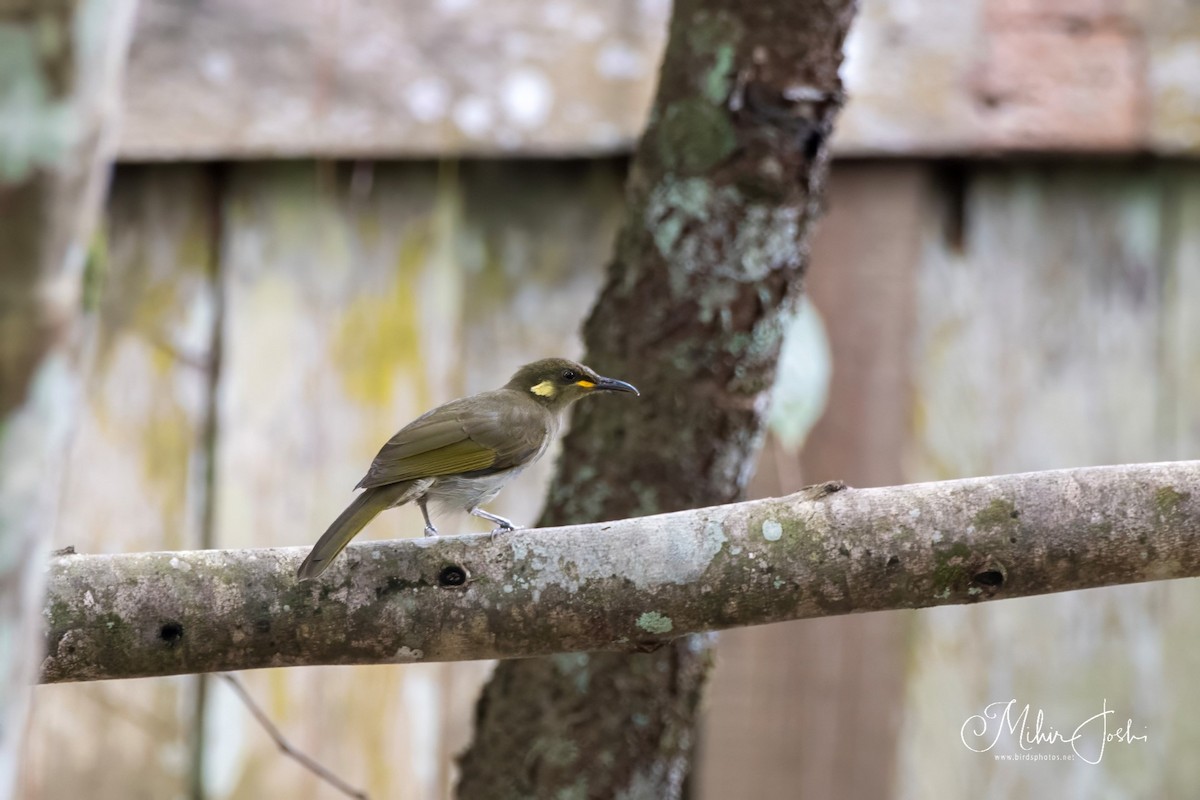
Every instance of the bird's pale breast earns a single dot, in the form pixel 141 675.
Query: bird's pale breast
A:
pixel 460 493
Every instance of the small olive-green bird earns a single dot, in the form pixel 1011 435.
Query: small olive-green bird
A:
pixel 460 455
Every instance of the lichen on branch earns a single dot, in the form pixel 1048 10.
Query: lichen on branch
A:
pixel 626 585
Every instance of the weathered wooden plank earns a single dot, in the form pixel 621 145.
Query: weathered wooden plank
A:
pixel 1178 417
pixel 443 77
pixel 135 476
pixel 356 300
pixel 1055 332
pixel 1172 60
pixel 432 77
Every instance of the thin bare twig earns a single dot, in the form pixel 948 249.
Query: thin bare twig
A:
pixel 305 760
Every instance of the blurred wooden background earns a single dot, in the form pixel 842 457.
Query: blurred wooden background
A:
pixel 263 325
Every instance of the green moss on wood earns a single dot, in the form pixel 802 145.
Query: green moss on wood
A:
pixel 1167 500
pixel 694 136
pixel 950 573
pixel 95 271
pixel 380 332
pixel 1000 513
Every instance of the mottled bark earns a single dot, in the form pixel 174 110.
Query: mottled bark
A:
pixel 722 193
pixel 59 63
pixel 629 585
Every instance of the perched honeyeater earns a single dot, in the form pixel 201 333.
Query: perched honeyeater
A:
pixel 460 455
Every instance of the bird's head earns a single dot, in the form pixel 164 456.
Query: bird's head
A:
pixel 558 382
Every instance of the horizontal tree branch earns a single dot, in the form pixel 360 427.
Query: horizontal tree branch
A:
pixel 624 585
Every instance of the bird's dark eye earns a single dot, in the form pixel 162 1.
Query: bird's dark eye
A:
pixel 569 376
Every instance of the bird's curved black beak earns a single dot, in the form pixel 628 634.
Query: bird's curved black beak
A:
pixel 614 385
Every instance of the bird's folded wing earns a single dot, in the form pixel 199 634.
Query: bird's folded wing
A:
pixel 453 439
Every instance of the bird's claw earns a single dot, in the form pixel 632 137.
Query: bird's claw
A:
pixel 430 530
pixel 502 529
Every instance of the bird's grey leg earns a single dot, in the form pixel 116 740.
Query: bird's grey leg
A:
pixel 429 529
pixel 505 525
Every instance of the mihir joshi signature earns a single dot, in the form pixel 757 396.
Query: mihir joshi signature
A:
pixel 981 732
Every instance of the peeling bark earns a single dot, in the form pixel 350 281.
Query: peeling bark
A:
pixel 630 585
pixel 723 190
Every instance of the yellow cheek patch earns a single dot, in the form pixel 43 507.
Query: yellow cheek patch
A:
pixel 585 384
pixel 544 389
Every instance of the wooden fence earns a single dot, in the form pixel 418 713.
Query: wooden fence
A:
pixel 262 327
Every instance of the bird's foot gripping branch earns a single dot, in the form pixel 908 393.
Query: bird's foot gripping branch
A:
pixel 628 584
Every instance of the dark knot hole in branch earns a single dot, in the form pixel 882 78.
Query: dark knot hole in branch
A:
pixel 171 632
pixel 453 576
pixel 989 577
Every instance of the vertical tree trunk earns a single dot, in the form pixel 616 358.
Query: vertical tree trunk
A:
pixel 723 191
pixel 59 65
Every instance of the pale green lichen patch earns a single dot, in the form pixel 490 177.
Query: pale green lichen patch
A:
pixel 689 220
pixel 407 655
pixel 673 206
pixel 688 216
pixel 772 531
pixel 718 80
pixel 654 622
pixel 766 239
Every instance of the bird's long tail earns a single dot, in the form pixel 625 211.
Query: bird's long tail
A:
pixel 364 509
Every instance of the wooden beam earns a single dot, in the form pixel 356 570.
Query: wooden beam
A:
pixel 372 79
